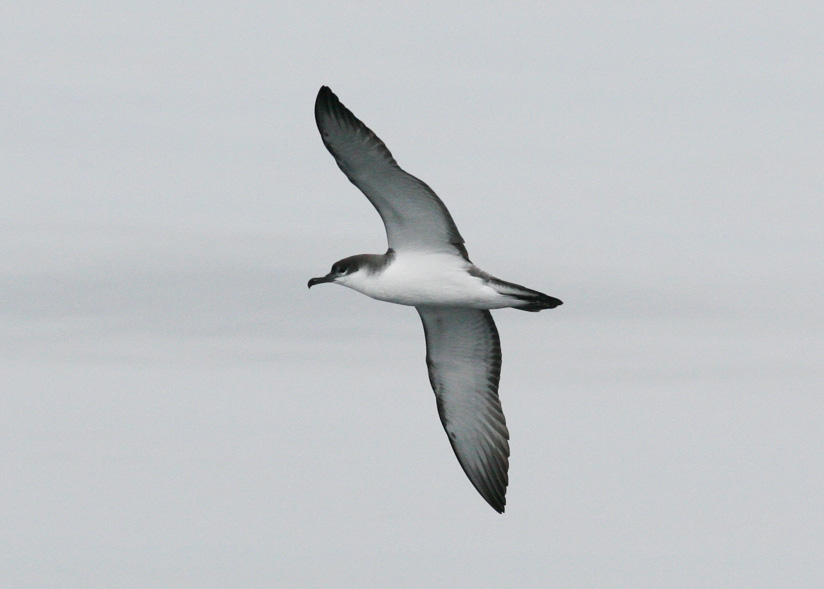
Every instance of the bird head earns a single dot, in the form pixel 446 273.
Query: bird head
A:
pixel 341 271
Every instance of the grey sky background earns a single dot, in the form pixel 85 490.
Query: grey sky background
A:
pixel 178 410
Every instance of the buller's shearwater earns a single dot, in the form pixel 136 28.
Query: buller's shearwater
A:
pixel 427 267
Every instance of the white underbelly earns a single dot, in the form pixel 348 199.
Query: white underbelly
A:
pixel 434 279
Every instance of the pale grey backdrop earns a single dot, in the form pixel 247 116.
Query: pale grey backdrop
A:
pixel 177 410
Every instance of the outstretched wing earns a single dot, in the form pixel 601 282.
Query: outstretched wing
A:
pixel 463 354
pixel 414 216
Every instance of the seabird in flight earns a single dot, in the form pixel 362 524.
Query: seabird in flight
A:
pixel 427 267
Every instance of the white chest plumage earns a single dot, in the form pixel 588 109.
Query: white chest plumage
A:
pixel 427 278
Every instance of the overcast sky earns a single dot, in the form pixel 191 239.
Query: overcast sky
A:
pixel 178 410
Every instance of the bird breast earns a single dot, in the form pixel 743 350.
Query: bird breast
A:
pixel 421 279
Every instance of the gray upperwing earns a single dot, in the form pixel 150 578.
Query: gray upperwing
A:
pixel 463 354
pixel 414 216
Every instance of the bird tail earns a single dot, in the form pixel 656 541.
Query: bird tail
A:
pixel 524 298
pixel 532 300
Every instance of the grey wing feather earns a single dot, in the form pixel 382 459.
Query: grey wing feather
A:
pixel 414 216
pixel 463 354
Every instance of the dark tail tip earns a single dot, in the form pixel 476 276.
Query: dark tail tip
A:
pixel 539 303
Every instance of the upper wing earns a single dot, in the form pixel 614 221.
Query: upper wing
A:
pixel 414 216
pixel 463 354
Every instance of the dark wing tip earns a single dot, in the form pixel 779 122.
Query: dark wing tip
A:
pixel 490 478
pixel 491 484
pixel 340 128
pixel 326 103
pixel 325 95
pixel 493 490
pixel 328 106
